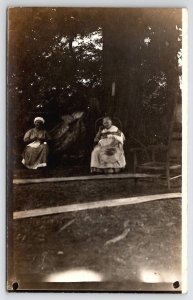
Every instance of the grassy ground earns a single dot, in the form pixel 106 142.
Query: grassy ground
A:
pixel 125 245
pixel 151 248
pixel 54 194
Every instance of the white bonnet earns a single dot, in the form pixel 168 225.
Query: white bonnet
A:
pixel 39 119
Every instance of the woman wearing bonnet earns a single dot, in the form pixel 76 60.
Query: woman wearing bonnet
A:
pixel 35 154
pixel 108 155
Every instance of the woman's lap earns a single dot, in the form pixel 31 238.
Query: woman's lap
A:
pixel 35 157
pixel 101 162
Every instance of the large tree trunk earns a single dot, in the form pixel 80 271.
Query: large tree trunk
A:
pixel 124 55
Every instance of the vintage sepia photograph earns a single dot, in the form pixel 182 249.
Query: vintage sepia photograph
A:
pixel 94 149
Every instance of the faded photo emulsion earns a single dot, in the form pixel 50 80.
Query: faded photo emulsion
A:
pixel 94 149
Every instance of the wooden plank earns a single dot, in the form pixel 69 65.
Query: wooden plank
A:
pixel 89 177
pixel 153 168
pixel 92 205
pixel 157 167
pixel 175 177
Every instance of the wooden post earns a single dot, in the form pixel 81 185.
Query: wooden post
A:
pixel 113 89
pixel 135 162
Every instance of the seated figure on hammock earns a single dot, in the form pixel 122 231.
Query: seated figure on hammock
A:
pixel 35 154
pixel 108 155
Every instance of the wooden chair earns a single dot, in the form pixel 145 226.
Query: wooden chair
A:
pixel 162 159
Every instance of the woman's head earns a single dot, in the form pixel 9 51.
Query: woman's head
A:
pixel 38 122
pixel 107 122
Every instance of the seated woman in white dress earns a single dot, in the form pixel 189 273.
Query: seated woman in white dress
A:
pixel 108 155
pixel 35 154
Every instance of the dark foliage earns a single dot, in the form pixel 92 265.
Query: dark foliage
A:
pixel 59 59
